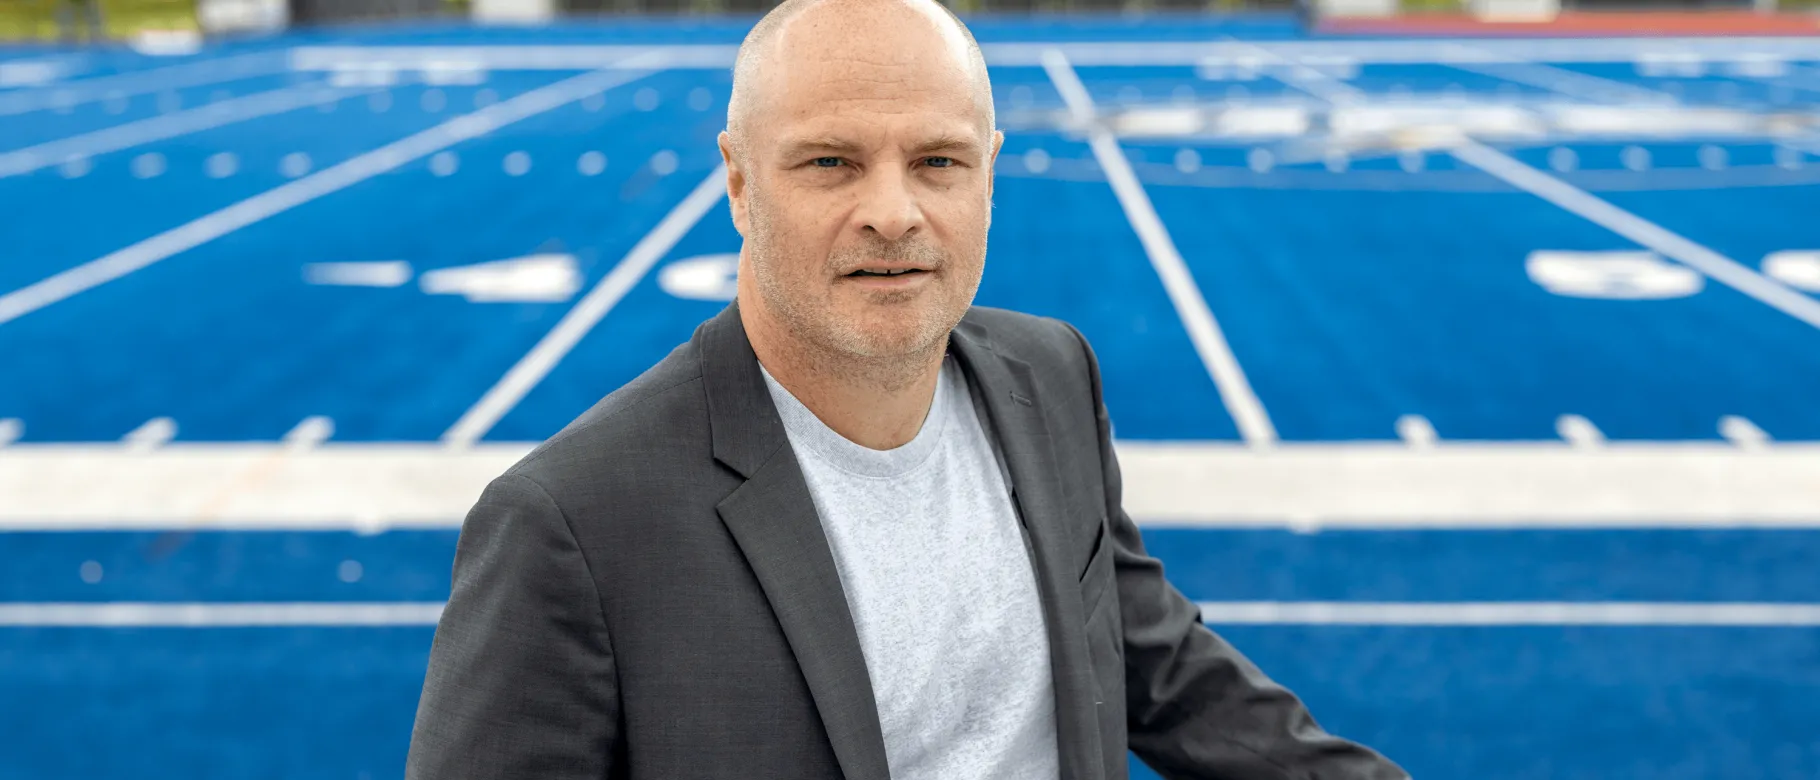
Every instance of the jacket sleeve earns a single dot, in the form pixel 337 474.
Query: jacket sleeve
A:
pixel 1195 707
pixel 521 681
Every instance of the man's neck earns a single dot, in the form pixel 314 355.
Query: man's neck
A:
pixel 875 403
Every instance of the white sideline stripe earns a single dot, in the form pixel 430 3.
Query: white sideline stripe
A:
pixel 339 614
pixel 368 488
pixel 1648 234
pixel 588 312
pixel 189 74
pixel 159 128
pixel 1517 613
pixel 1085 53
pixel 219 615
pixel 280 199
pixel 1203 330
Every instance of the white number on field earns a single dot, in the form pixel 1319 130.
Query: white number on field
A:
pixel 1797 268
pixel 1631 275
pixel 704 278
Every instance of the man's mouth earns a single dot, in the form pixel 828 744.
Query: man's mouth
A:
pixel 887 272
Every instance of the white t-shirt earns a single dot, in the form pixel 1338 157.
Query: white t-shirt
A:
pixel 941 588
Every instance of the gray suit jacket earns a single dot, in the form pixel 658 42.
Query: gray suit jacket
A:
pixel 649 594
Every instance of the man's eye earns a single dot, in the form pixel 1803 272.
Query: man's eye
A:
pixel 939 162
pixel 827 162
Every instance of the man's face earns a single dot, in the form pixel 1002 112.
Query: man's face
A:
pixel 864 192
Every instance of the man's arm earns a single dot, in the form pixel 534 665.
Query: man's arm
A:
pixel 1195 707
pixel 521 680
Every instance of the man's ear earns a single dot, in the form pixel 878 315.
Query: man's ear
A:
pixel 736 182
pixel 998 142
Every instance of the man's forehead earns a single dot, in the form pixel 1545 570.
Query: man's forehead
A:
pixel 845 93
pixel 811 66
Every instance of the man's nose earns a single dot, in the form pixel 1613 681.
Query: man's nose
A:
pixel 888 206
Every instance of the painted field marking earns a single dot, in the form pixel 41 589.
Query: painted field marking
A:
pixel 218 615
pixel 1204 331
pixel 189 74
pixel 1511 613
pixel 1645 233
pixel 1373 485
pixel 588 312
pixel 296 193
pixel 1218 613
pixel 1602 213
pixel 112 139
pixel 1081 53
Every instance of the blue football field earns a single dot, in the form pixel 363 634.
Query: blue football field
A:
pixel 459 237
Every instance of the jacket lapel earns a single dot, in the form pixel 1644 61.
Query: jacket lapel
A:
pixel 1015 407
pixel 772 517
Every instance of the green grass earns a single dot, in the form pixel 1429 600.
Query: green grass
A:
pixel 36 20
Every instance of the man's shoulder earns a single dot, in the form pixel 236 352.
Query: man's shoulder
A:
pixel 648 421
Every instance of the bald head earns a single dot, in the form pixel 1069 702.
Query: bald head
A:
pixel 859 153
pixel 810 43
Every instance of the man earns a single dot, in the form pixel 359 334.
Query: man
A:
pixel 854 528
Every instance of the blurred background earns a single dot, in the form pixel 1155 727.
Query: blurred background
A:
pixel 1465 359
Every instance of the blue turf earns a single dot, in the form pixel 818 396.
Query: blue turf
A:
pixel 1347 307
pixel 186 703
pixel 1448 702
pixel 383 363
pixel 1361 309
pixel 1350 298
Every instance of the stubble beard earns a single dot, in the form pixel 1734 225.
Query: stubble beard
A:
pixel 890 353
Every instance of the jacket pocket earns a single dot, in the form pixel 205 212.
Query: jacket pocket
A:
pixel 1098 576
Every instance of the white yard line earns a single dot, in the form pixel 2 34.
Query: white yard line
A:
pixel 588 312
pixel 1722 269
pixel 159 128
pixel 288 196
pixel 218 614
pixel 186 75
pixel 1204 331
pixel 1510 613
pixel 371 487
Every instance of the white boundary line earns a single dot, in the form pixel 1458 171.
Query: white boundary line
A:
pixel 588 312
pixel 218 614
pixel 1190 305
pixel 288 196
pixel 1095 53
pixel 184 76
pixel 1648 234
pixel 1304 487
pixel 1218 613
pixel 112 139
pixel 1516 613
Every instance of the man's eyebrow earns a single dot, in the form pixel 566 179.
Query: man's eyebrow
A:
pixel 826 144
pixel 947 143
